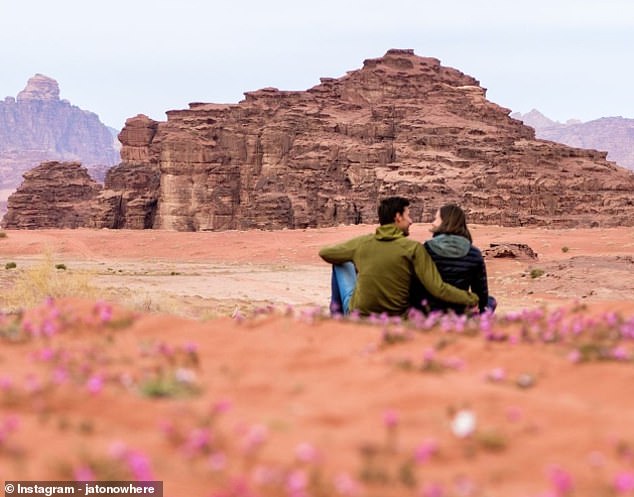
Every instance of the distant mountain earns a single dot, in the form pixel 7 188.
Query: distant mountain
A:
pixel 614 135
pixel 37 126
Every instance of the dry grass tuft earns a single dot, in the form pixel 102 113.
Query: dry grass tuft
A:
pixel 33 284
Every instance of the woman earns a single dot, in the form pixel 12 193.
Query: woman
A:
pixel 458 262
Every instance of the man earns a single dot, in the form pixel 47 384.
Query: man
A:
pixel 384 265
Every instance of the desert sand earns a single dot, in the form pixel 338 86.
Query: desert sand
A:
pixel 207 361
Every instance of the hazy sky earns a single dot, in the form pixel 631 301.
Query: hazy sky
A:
pixel 119 58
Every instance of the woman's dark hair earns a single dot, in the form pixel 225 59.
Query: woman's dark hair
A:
pixel 390 207
pixel 453 222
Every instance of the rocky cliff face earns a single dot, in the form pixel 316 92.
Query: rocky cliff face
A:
pixel 615 135
pixel 130 196
pixel 37 126
pixel 403 125
pixel 69 204
pixel 400 125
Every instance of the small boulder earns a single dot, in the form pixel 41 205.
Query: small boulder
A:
pixel 509 251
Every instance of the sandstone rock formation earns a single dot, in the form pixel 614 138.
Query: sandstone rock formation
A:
pixel 37 126
pixel 69 204
pixel 130 196
pixel 401 125
pixel 612 134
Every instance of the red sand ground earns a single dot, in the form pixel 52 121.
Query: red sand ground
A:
pixel 98 396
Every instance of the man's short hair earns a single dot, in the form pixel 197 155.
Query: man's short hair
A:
pixel 389 207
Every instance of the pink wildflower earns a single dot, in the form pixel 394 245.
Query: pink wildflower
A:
pixel 496 374
pixel 33 384
pixel 139 465
pixel 166 427
pixel 84 473
pixel 118 450
pixel 454 363
pixel 46 354
pixel 577 327
pixel 346 485
pixel 611 318
pixel 94 384
pixel 49 328
pixel 190 348
pixel 165 349
pixel 627 328
pixel 296 483
pixel 265 475
pixel 560 480
pixel 486 326
pixel 354 315
pixel 514 414
pixel 574 356
pixel 103 311
pixel 425 451
pixel 255 437
pixel 391 418
pixel 60 375
pixel 217 461
pixel 429 354
pixel 29 328
pixel 6 383
pixel 624 482
pixel 221 406
pixel 11 423
pixel 620 353
pixel 306 452
pixel 198 440
pixel 432 490
pixel 464 486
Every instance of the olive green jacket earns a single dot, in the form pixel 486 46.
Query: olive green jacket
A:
pixel 386 262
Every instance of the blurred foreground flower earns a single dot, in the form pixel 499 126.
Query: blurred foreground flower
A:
pixel 464 423
pixel 496 375
pixel 624 482
pixel 560 480
pixel 307 453
pixel 425 451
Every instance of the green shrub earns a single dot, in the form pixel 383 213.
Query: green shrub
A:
pixel 536 273
pixel 564 249
pixel 10 265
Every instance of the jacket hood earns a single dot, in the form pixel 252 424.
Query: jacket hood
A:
pixel 388 232
pixel 453 246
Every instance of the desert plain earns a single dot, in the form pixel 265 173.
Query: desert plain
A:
pixel 207 361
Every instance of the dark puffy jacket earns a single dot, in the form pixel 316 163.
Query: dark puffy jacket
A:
pixel 460 264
